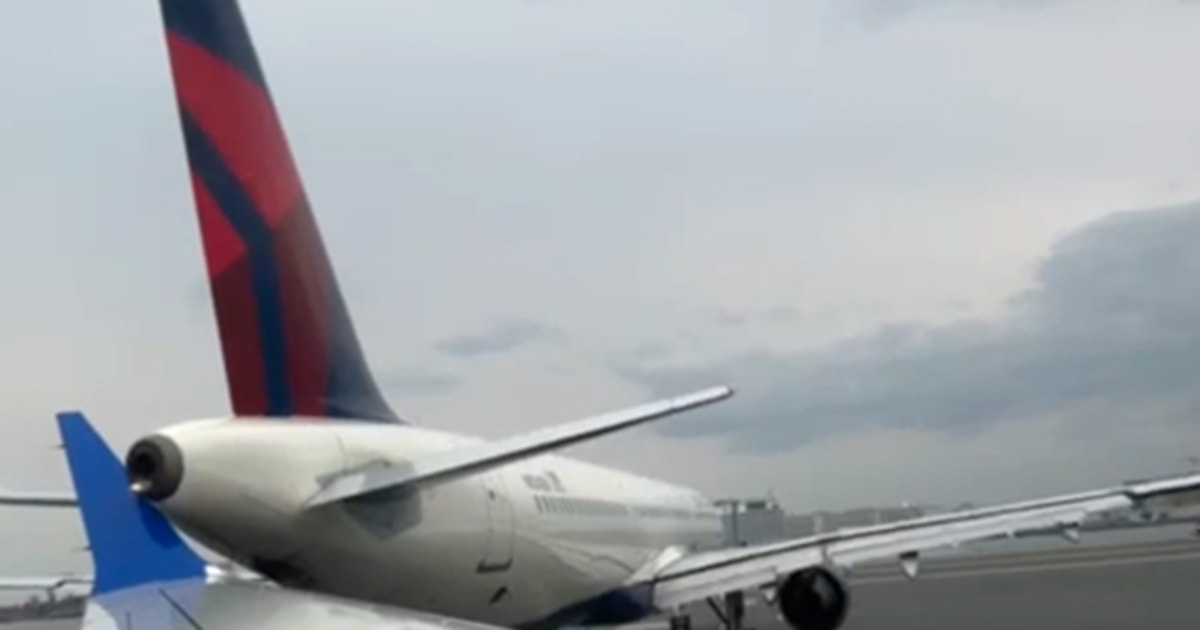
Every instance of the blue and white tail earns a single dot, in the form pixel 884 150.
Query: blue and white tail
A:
pixel 132 544
pixel 287 339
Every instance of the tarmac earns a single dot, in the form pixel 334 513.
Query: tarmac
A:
pixel 1133 586
pixel 1145 580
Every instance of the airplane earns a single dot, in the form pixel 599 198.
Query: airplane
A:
pixel 314 482
pixel 146 576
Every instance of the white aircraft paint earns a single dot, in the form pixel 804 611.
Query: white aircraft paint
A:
pixel 513 546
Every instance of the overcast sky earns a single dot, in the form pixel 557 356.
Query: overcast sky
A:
pixel 943 248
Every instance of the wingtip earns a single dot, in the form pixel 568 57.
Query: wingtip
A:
pixel 704 396
pixel 719 393
pixel 69 416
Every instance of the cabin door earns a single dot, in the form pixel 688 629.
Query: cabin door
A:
pixel 498 554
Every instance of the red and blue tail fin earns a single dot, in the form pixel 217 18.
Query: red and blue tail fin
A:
pixel 286 337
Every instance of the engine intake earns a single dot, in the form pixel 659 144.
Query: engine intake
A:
pixel 814 599
pixel 154 467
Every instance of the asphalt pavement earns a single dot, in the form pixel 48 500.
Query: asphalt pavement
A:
pixel 1150 586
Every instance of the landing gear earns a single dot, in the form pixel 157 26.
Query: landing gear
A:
pixel 731 610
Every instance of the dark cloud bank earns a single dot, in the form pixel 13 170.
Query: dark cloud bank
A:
pixel 501 338
pixel 1111 321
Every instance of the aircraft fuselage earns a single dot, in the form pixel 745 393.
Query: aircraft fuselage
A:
pixel 543 542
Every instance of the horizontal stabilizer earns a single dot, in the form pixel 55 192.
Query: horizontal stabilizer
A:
pixel 38 499
pixel 47 583
pixel 476 457
pixel 212 572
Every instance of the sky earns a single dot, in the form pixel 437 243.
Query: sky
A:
pixel 942 248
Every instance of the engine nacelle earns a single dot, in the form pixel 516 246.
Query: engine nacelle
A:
pixel 813 599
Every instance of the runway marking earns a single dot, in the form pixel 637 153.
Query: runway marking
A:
pixel 1060 566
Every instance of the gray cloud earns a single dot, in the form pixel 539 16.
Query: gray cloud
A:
pixel 501 338
pixel 788 314
pixel 649 351
pixel 726 317
pixel 419 382
pixel 875 12
pixel 1110 321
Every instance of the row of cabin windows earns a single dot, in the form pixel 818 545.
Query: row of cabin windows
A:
pixel 596 507
pixel 574 505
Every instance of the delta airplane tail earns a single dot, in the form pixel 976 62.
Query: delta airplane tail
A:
pixel 287 340
pixel 288 343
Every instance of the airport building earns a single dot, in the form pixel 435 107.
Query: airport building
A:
pixel 748 521
pixel 752 521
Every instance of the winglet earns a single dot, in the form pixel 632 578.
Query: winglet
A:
pixel 132 543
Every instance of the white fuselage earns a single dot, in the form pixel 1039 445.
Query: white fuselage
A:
pixel 533 543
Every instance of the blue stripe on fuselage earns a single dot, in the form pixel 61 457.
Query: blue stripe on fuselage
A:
pixel 626 604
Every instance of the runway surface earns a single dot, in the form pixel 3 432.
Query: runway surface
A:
pixel 1153 585
pixel 1129 580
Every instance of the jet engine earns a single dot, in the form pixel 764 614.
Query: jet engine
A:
pixel 813 599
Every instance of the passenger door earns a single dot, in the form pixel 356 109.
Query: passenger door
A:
pixel 498 553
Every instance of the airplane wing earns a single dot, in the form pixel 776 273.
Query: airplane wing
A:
pixel 479 456
pixel 714 573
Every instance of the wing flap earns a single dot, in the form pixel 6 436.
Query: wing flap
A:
pixel 473 458
pixel 715 573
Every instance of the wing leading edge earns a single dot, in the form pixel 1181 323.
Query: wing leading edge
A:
pixel 711 574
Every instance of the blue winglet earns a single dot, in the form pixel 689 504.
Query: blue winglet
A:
pixel 132 542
